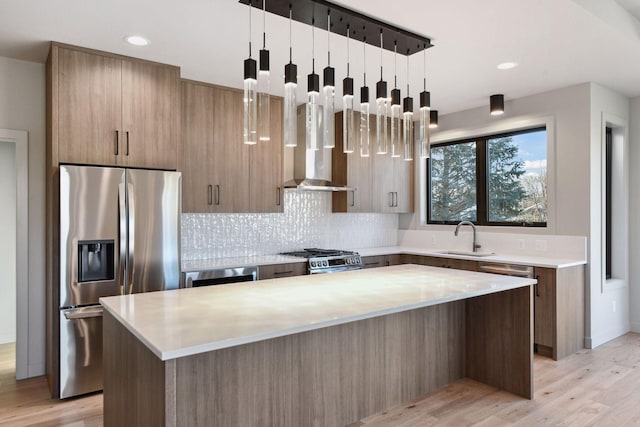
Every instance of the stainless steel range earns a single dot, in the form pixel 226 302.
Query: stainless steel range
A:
pixel 329 260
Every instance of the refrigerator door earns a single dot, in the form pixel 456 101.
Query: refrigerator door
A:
pixel 80 350
pixel 153 261
pixel 92 206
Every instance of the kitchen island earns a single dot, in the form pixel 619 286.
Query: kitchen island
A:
pixel 319 350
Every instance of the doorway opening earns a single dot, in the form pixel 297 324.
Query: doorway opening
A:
pixel 14 216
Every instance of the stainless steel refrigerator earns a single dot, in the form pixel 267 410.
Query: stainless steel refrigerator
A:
pixel 119 234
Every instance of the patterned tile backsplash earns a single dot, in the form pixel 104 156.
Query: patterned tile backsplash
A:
pixel 307 222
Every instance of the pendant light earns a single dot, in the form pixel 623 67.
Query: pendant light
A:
pixel 290 87
pixel 250 130
pixel 433 119
pixel 395 108
pixel 382 141
pixel 329 91
pixel 348 115
pixel 313 99
pixel 364 104
pixel 407 120
pixel 425 106
pixel 264 81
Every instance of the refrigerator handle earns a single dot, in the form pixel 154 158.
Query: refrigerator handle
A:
pixel 130 235
pixel 122 233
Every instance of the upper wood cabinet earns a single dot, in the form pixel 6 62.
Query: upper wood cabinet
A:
pixel 220 173
pixel 382 184
pixel 110 110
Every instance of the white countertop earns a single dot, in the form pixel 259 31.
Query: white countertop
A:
pixel 548 262
pixel 189 321
pixel 535 261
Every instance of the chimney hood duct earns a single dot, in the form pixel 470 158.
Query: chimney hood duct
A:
pixel 311 169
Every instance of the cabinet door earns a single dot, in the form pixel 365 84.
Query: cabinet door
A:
pixel 462 264
pixel 544 306
pixel 266 181
pixel 359 177
pixel 380 261
pixel 383 183
pixel 197 147
pixel 89 108
pixel 403 185
pixel 275 271
pixel 229 163
pixel 150 115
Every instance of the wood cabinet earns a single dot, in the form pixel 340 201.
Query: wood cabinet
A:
pixel 110 110
pixel 220 173
pixel 380 261
pixel 432 261
pixel 559 311
pixel 382 184
pixel 275 271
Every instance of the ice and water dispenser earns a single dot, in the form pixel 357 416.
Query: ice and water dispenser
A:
pixel 95 260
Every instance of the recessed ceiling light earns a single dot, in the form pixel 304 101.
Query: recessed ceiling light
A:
pixel 507 65
pixel 137 40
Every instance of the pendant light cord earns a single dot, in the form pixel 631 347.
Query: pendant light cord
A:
pixel 364 57
pixel 329 38
pixel 250 6
pixel 264 24
pixel 424 66
pixel 395 64
pixel 290 40
pixel 407 72
pixel 381 47
pixel 348 35
pixel 313 45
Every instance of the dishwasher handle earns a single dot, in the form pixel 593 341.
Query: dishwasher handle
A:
pixel 507 270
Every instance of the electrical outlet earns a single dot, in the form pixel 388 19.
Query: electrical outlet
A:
pixel 521 244
pixel 541 245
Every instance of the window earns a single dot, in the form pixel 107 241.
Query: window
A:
pixel 493 180
pixel 608 200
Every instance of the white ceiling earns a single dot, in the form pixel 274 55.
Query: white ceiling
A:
pixel 556 42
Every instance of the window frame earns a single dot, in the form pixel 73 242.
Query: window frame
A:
pixel 482 168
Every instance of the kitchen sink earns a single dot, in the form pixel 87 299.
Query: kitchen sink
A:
pixel 466 253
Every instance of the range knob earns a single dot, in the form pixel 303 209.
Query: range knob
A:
pixel 312 263
pixel 325 263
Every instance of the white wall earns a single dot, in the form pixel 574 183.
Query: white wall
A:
pixel 22 107
pixel 575 207
pixel 634 214
pixel 8 246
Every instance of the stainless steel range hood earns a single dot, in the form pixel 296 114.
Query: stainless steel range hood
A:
pixel 309 169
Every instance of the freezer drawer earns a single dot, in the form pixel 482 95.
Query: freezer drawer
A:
pixel 80 350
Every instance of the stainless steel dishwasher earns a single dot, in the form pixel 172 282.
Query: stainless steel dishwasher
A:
pixel 506 269
pixel 219 276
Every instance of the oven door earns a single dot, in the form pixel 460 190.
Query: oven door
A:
pixel 220 276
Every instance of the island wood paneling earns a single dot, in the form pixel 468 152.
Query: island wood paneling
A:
pixel 325 377
pixel 138 387
pixel 499 341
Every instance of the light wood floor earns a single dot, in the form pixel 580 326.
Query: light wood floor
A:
pixel 598 387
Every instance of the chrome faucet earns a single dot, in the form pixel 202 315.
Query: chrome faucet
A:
pixel 475 245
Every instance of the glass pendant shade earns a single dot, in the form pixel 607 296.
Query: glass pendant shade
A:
pixel 290 107
pixel 365 140
pixel 396 127
pixel 407 126
pixel 382 141
pixel 348 116
pixel 328 112
pixel 433 119
pixel 425 107
pixel 250 127
pixel 264 107
pixel 314 131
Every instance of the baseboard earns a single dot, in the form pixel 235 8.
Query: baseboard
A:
pixel 635 327
pixel 598 340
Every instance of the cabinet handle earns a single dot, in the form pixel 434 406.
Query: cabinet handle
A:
pixel 353 198
pixel 276 273
pixel 117 141
pixel 209 194
pixel 217 194
pixel 390 199
pixel 127 152
pixel 278 196
pixel 537 286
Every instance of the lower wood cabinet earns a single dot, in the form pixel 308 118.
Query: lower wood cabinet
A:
pixel 275 271
pixel 559 311
pixel 380 261
pixel 432 261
